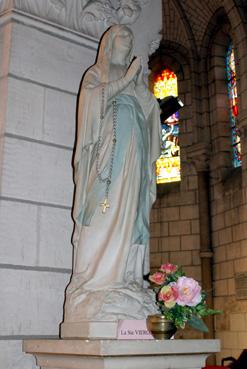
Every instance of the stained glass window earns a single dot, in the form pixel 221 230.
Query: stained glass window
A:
pixel 233 105
pixel 168 164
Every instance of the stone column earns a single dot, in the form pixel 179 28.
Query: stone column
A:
pixel 198 156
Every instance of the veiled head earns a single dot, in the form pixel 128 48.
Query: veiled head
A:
pixel 116 46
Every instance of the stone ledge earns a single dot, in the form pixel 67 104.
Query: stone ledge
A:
pixel 114 354
pixel 49 27
pixel 119 347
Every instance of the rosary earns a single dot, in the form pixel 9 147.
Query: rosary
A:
pixel 107 180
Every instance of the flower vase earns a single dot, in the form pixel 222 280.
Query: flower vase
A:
pixel 160 327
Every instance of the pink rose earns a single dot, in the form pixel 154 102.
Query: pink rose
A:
pixel 168 294
pixel 158 278
pixel 189 292
pixel 168 268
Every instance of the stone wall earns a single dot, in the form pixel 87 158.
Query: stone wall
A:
pixel 201 33
pixel 41 72
pixel 228 191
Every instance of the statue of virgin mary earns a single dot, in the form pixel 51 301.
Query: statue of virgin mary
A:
pixel 118 142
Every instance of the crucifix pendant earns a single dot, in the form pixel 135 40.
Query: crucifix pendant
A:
pixel 105 205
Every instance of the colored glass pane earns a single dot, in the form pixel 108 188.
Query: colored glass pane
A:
pixel 168 164
pixel 233 105
pixel 165 84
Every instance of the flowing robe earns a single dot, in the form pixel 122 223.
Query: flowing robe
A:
pixel 111 250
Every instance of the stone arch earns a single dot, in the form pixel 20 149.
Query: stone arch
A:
pixel 237 14
pixel 215 99
pixel 187 27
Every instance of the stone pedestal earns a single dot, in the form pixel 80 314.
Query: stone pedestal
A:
pixel 117 354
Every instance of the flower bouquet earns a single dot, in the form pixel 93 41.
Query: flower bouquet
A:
pixel 180 299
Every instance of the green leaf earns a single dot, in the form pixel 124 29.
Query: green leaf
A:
pixel 212 311
pixel 198 323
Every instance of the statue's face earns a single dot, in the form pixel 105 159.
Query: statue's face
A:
pixel 122 44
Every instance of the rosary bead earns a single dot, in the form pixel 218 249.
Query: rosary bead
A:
pixel 107 179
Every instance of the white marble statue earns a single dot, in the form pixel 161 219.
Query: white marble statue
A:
pixel 118 142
